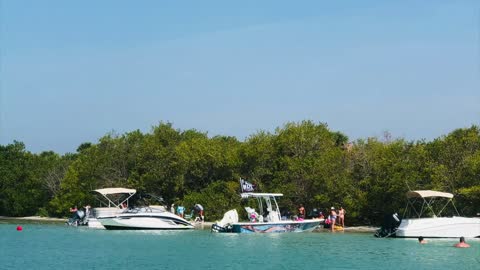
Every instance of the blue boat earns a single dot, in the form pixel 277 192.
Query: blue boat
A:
pixel 267 220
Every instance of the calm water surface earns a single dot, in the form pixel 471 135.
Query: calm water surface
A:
pixel 44 246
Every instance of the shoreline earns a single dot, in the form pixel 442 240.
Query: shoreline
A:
pixel 203 226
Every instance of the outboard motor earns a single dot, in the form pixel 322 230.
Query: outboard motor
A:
pixel 224 225
pixel 389 227
pixel 78 218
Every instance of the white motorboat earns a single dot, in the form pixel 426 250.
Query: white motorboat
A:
pixel 147 217
pixel 424 217
pixel 120 215
pixel 268 221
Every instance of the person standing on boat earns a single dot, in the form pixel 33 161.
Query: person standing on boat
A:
pixel 462 243
pixel 301 212
pixel 333 217
pixel 341 216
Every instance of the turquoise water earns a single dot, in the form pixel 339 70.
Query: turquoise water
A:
pixel 44 246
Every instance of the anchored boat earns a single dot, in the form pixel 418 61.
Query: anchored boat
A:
pixel 424 216
pixel 268 221
pixel 119 214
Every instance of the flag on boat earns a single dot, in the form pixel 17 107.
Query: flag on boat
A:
pixel 246 186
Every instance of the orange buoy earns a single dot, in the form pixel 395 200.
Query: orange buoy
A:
pixel 19 228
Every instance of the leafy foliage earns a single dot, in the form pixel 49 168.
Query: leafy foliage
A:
pixel 306 161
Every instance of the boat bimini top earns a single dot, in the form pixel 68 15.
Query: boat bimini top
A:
pixel 428 198
pixel 116 196
pixel 428 193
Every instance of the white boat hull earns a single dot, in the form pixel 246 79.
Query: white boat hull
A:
pixel 145 221
pixel 101 212
pixel 93 223
pixel 269 227
pixel 440 227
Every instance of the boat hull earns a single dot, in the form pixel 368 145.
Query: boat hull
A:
pixel 440 227
pixel 144 222
pixel 276 227
pixel 95 224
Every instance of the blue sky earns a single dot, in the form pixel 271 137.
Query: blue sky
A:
pixel 72 71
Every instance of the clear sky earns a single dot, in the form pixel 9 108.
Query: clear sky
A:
pixel 71 71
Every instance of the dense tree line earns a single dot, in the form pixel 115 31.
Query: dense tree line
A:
pixel 305 161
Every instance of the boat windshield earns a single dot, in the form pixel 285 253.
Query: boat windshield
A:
pixel 266 206
pixel 147 199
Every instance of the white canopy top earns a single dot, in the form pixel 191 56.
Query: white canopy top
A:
pixel 251 194
pixel 428 193
pixel 108 191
